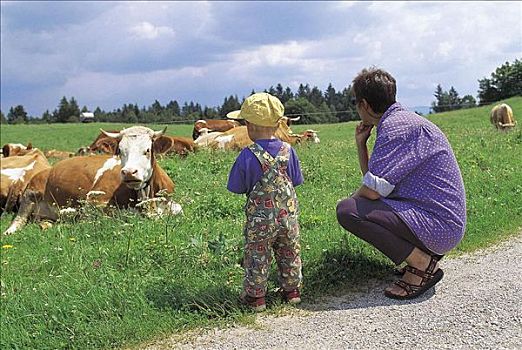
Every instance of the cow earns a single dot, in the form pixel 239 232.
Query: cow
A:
pixel 16 149
pixel 237 138
pixel 16 173
pixel 129 178
pixel 169 144
pixel 58 154
pixel 212 125
pixel 502 117
pixel 179 145
pixel 205 137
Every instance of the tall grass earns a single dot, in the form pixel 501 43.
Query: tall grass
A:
pixel 104 282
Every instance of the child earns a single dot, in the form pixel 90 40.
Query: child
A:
pixel 267 172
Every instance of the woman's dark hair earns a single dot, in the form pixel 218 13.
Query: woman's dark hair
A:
pixel 377 87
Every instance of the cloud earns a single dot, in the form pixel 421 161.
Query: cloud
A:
pixel 110 53
pixel 146 30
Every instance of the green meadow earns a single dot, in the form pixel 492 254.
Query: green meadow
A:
pixel 118 281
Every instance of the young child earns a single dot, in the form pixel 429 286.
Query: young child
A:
pixel 267 172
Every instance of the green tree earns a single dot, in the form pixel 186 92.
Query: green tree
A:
pixel 17 115
pixel 173 107
pixel 3 120
pixel 303 108
pixel 287 95
pixel 303 91
pixel 74 111
pixel 230 104
pixel 345 109
pixel 47 117
pixel 468 101
pixel 316 97
pixel 453 99
pixel 68 111
pixel 505 82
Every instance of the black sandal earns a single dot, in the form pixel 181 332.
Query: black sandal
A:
pixel 399 271
pixel 429 279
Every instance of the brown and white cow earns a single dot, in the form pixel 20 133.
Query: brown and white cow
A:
pixel 16 173
pixel 53 153
pixel 16 149
pixel 131 178
pixel 502 117
pixel 165 144
pixel 212 125
pixel 237 138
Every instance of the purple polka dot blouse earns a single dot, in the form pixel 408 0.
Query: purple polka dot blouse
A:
pixel 415 160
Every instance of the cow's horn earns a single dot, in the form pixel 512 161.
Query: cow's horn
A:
pixel 159 133
pixel 295 119
pixel 112 135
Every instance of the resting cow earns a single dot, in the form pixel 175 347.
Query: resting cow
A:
pixel 53 153
pixel 130 178
pixel 16 173
pixel 16 149
pixel 502 117
pixel 212 125
pixel 237 138
pixel 169 144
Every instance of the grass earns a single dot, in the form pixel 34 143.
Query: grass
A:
pixel 105 282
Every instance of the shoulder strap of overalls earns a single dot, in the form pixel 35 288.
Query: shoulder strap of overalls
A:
pixel 266 160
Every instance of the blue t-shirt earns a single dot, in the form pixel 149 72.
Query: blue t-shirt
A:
pixel 246 171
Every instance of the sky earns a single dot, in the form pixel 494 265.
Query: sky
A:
pixel 108 54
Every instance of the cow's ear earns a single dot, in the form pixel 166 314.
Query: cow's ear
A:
pixel 29 146
pixel 5 150
pixel 162 144
pixel 109 146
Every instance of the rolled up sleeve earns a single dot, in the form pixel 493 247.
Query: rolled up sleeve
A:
pixel 378 184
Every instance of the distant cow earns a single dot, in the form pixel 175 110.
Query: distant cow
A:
pixel 53 153
pixel 237 138
pixel 205 137
pixel 502 117
pixel 16 149
pixel 179 145
pixel 211 125
pixel 16 173
pixel 132 178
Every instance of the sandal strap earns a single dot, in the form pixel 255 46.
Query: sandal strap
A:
pixel 433 263
pixel 422 274
pixel 407 287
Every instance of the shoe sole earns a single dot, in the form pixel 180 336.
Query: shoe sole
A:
pixel 431 283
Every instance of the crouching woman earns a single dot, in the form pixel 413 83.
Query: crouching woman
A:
pixel 411 205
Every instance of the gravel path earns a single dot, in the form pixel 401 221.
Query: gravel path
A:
pixel 478 305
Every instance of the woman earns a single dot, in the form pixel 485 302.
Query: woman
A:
pixel 411 205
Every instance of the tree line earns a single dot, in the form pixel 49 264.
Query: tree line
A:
pixel 313 105
pixel 505 82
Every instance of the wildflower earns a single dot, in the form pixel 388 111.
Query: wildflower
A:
pixel 7 246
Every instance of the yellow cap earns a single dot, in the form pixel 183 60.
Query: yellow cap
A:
pixel 260 109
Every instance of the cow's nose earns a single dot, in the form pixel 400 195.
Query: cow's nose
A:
pixel 129 172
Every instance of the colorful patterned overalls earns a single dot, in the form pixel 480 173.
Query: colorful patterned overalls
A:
pixel 271 212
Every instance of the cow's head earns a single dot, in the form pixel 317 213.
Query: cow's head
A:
pixel 311 136
pixel 16 149
pixel 288 121
pixel 136 147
